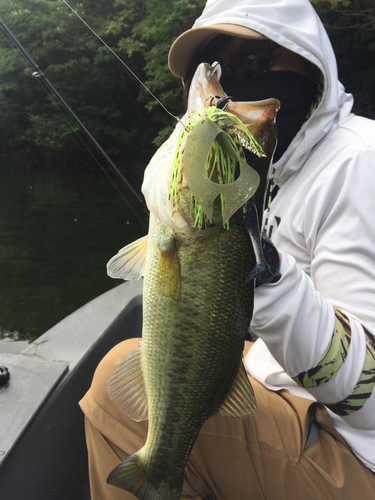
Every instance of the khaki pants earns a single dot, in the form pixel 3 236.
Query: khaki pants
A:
pixel 258 458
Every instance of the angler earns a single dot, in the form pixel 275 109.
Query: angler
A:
pixel 313 366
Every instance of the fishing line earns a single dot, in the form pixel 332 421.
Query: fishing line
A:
pixel 122 62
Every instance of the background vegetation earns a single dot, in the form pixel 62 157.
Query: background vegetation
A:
pixel 116 109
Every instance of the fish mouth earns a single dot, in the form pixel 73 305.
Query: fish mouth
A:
pixel 223 152
pixel 206 90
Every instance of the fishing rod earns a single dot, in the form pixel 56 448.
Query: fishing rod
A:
pixel 39 72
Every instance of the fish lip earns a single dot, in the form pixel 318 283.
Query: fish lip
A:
pixel 255 111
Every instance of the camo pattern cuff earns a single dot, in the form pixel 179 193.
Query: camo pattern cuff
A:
pixel 334 358
pixel 365 386
pixel 332 362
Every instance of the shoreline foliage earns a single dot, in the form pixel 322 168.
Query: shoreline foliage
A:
pixel 115 108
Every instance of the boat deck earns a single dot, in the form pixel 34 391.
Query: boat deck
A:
pixel 41 433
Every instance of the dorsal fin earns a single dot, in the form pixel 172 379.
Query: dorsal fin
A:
pixel 126 387
pixel 240 401
pixel 129 262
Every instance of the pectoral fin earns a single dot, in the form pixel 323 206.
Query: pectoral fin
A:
pixel 169 284
pixel 129 262
pixel 240 401
pixel 126 387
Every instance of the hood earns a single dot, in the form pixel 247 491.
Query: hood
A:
pixel 295 25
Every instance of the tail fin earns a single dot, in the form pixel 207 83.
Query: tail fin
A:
pixel 132 475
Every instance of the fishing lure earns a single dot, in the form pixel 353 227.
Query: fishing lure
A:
pixel 210 154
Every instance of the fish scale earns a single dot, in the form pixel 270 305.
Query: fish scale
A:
pixel 205 267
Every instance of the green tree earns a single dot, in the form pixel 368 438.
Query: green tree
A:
pixel 350 26
pixel 114 106
pixel 96 86
pixel 118 111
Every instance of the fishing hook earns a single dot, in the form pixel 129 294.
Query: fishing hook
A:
pixel 222 102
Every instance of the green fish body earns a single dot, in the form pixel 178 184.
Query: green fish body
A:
pixel 197 309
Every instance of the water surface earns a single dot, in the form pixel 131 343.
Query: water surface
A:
pixel 58 228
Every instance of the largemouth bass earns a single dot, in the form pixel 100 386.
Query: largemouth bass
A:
pixel 197 297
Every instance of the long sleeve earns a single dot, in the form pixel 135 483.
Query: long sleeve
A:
pixel 318 321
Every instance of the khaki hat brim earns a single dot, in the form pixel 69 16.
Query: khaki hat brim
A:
pixel 186 45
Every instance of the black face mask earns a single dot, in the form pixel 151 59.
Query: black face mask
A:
pixel 295 93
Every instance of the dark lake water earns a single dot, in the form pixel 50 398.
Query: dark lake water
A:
pixel 58 228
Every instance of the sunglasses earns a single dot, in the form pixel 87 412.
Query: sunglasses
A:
pixel 251 60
